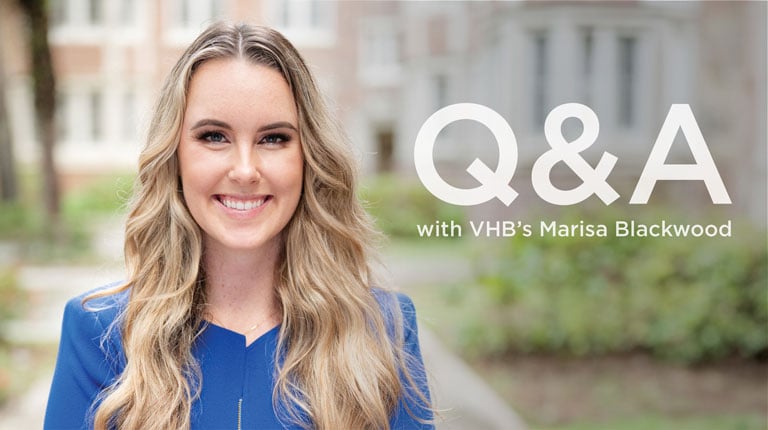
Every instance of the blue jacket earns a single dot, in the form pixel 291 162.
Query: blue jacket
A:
pixel 237 381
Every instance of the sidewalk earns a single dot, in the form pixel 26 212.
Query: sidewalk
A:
pixel 466 401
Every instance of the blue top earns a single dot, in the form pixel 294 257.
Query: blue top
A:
pixel 237 380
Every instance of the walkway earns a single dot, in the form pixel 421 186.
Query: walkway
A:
pixel 467 401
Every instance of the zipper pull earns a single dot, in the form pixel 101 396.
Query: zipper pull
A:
pixel 240 414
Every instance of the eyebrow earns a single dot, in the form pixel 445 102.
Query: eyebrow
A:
pixel 222 124
pixel 207 122
pixel 279 124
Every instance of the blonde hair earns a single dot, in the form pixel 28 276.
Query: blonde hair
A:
pixel 341 364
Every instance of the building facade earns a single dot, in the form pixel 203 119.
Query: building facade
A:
pixel 387 66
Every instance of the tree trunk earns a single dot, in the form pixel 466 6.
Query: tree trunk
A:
pixel 9 190
pixel 44 87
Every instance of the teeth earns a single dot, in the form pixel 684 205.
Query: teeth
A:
pixel 242 205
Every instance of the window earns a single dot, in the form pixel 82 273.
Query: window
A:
pixel 439 87
pixel 379 59
pixel 540 72
pixel 80 115
pixel 440 91
pixel 93 21
pixel 126 13
pixel 96 125
pixel 305 14
pixel 59 13
pixel 63 131
pixel 627 78
pixel 188 17
pixel 128 118
pixel 587 55
pixel 94 12
pixel 82 15
pixel 305 22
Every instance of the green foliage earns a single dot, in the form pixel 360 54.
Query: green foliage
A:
pixel 107 195
pixel 18 222
pixel 12 301
pixel 12 297
pixel 683 299
pixel 24 222
pixel 82 206
pixel 398 205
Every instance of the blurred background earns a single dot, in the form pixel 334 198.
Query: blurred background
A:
pixel 558 333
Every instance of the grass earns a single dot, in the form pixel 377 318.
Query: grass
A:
pixel 625 391
pixel 651 422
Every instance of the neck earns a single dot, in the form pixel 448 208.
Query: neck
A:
pixel 240 287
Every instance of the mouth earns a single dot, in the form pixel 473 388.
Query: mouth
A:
pixel 242 204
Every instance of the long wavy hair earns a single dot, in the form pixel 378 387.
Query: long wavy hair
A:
pixel 339 362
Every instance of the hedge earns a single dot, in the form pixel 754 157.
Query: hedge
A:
pixel 687 300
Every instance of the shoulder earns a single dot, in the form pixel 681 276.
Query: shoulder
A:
pixel 399 311
pixel 90 357
pixel 394 302
pixel 413 410
pixel 89 328
pixel 389 298
pixel 89 324
pixel 97 313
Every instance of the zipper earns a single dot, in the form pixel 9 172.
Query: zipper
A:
pixel 239 414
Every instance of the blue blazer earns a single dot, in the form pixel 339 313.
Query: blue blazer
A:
pixel 237 381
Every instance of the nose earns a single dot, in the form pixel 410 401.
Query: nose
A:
pixel 245 168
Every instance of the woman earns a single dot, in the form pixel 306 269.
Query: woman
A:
pixel 249 300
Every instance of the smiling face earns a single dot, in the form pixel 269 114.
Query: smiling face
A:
pixel 240 155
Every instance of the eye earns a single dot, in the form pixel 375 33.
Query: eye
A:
pixel 275 139
pixel 212 137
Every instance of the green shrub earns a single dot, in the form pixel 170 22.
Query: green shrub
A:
pixel 684 299
pixel 82 206
pixel 17 222
pixel 105 196
pixel 24 222
pixel 398 205
pixel 12 297
pixel 13 302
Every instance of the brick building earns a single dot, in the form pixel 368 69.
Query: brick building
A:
pixel 387 66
